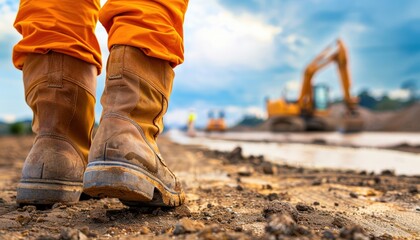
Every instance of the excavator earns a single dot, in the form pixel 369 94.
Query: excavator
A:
pixel 216 124
pixel 310 111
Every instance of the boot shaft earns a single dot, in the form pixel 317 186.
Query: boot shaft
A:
pixel 60 91
pixel 138 86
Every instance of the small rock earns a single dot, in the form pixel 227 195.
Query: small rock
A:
pixel 370 193
pixel 235 155
pixel 268 168
pixel 388 172
pixel 72 234
pixel 277 206
pixel 353 195
pixel 385 236
pixel 316 203
pixel 207 214
pixel 328 235
pixel 285 225
pixel 144 230
pixel 339 222
pixel 245 171
pixel 354 232
pixel 186 225
pixel 336 204
pixel 209 231
pixel 413 190
pixel 239 188
pixel 281 224
pixel 99 215
pixel 23 219
pixel 317 182
pixel 158 212
pixel 304 208
pixel 29 208
pixel 273 196
pixel 182 211
pixel 59 206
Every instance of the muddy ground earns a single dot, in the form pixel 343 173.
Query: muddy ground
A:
pixel 229 197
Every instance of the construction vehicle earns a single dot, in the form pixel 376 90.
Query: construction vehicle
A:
pixel 216 124
pixel 310 111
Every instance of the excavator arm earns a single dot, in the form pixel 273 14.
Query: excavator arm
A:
pixel 332 54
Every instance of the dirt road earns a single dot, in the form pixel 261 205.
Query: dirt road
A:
pixel 229 197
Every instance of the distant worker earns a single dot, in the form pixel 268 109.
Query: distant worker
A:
pixel 192 116
pixel 60 59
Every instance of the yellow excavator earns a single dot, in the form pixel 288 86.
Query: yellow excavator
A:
pixel 310 111
pixel 216 124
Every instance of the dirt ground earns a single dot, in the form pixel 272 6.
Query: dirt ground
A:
pixel 229 197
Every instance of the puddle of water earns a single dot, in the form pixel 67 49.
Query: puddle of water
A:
pixel 316 156
pixel 365 139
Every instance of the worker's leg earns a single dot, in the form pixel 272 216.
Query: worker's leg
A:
pixel 155 26
pixel 124 160
pixel 60 58
pixel 64 26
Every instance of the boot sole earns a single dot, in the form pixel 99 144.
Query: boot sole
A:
pixel 48 192
pixel 131 184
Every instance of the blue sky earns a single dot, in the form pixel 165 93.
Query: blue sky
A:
pixel 239 52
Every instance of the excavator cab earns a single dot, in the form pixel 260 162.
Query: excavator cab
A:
pixel 321 97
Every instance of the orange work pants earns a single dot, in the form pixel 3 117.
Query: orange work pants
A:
pixel 67 26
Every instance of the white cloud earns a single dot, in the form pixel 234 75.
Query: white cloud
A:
pixel 400 94
pixel 296 43
pixel 176 117
pixel 7 17
pixel 217 37
pixel 377 92
pixel 8 118
pixel 293 85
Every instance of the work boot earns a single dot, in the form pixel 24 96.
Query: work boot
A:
pixel 124 160
pixel 60 90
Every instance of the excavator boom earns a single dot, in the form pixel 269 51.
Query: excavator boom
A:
pixel 332 54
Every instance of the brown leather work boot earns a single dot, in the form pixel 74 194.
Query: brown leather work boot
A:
pixel 124 160
pixel 60 90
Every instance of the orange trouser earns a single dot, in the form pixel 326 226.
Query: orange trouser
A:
pixel 67 26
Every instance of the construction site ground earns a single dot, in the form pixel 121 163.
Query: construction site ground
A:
pixel 229 196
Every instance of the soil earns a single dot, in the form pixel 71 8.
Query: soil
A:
pixel 402 120
pixel 229 197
